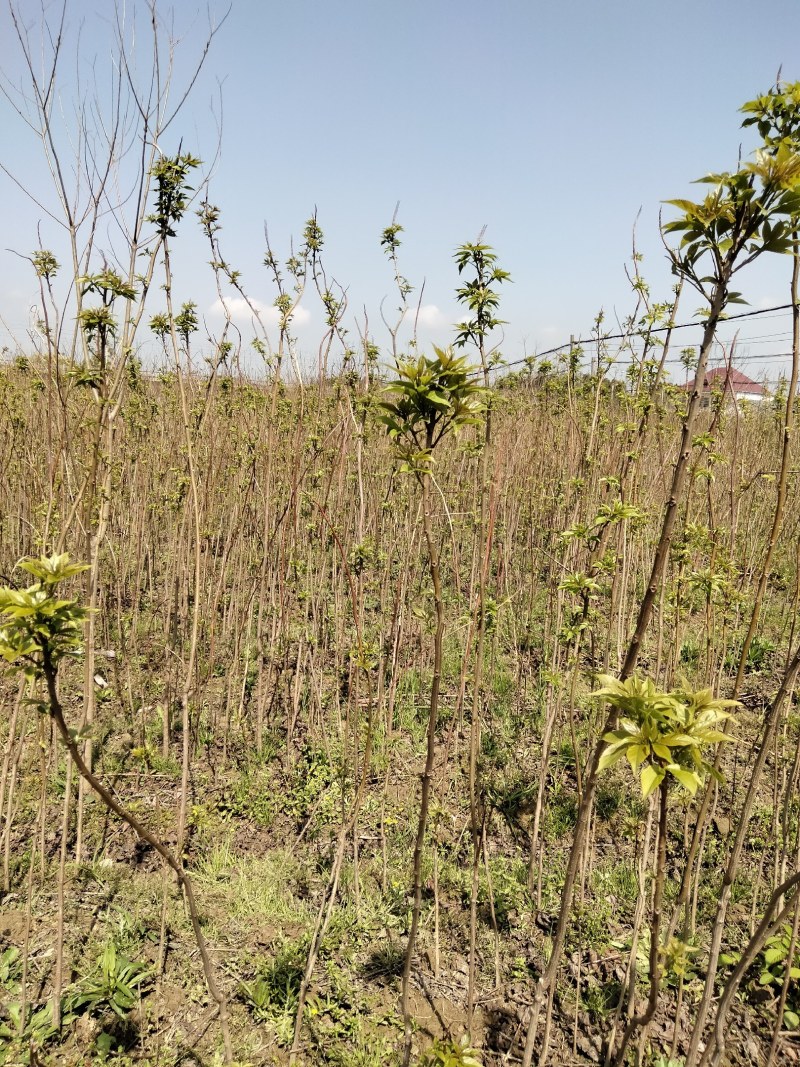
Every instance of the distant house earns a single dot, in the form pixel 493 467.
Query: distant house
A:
pixel 729 382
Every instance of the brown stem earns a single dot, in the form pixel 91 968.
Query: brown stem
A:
pixel 433 715
pixel 783 478
pixel 182 876
pixel 639 1021
pixel 765 929
pixel 732 867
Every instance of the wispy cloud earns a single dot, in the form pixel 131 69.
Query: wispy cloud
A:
pixel 237 308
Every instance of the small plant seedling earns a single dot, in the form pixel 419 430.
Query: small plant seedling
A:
pixel 450 1054
pixel 10 969
pixel 774 961
pixel 39 1028
pixel 115 984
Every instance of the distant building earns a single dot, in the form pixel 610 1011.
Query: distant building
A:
pixel 729 382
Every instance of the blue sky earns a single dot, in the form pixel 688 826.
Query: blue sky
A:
pixel 551 124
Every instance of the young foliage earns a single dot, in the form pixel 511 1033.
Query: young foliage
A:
pixel 429 398
pixel 745 213
pixel 38 1028
pixel 775 957
pixel 775 114
pixel 450 1054
pixel 172 191
pixel 477 294
pixel 662 733
pixel 36 624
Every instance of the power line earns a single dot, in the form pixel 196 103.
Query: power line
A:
pixel 576 343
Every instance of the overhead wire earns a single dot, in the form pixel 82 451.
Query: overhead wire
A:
pixel 638 335
pixel 580 342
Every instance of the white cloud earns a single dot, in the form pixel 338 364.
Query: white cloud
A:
pixel 236 307
pixel 428 316
pixel 240 311
pixel 301 316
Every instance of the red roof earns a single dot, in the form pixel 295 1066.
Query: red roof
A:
pixel 729 379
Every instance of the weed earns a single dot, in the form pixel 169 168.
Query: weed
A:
pixel 10 970
pixel 114 984
pixel 450 1054
pixel 251 797
pixel 607 802
pixel 272 994
pixel 384 961
pixel 561 814
pixel 601 998
pixel 774 962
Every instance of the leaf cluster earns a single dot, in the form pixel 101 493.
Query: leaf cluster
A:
pixel 662 733
pixel 776 955
pixel 45 264
pixel 477 294
pixel 38 1029
pixel 775 114
pixel 172 191
pixel 35 625
pixel 744 214
pixel 450 1054
pixel 390 243
pixel 430 397
pixel 608 515
pixel 108 285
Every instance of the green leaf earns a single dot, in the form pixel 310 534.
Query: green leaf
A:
pixel 651 777
pixel 690 780
pixel 637 754
pixel 611 755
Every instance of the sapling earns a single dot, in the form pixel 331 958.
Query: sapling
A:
pixel 173 196
pixel 776 115
pixel 428 399
pixel 481 300
pixel 390 242
pixel 124 123
pixel 662 736
pixel 38 631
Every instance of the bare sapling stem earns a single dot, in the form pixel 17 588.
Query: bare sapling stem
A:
pixel 184 880
pixel 430 755
pixel 638 1021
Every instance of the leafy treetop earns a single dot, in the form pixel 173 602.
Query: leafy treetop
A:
pixel 429 398
pixel 662 733
pixel 37 629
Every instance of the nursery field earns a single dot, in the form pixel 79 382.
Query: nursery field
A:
pixel 257 684
pixel 369 703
